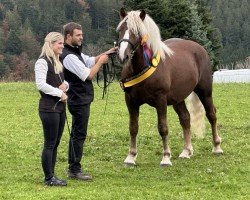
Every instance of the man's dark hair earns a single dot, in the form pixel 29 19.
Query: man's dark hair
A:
pixel 69 28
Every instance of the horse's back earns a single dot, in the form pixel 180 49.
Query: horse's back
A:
pixel 177 44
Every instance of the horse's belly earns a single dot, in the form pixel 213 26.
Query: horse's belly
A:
pixel 179 94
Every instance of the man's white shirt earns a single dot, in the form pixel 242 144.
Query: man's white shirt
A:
pixel 72 63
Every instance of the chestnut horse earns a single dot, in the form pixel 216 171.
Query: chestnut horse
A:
pixel 160 74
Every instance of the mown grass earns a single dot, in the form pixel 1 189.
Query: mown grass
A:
pixel 204 176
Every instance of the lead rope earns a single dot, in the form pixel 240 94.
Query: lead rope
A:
pixel 108 77
pixel 67 122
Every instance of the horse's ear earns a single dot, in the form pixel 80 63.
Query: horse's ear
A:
pixel 122 13
pixel 143 15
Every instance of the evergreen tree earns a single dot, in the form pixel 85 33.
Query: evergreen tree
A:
pixel 196 31
pixel 1 40
pixel 155 8
pixel 1 14
pixel 212 33
pixel 13 44
pixel 29 10
pixel 232 19
pixel 8 4
pixel 3 68
pixel 29 44
pixel 13 19
pixel 176 18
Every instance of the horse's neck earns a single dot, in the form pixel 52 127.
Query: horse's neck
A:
pixel 134 66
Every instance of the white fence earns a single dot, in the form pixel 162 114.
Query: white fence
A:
pixel 232 76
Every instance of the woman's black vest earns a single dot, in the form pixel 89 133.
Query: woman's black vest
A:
pixel 80 92
pixel 49 103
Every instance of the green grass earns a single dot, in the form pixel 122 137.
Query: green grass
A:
pixel 204 176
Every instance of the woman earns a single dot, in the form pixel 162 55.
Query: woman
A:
pixel 52 87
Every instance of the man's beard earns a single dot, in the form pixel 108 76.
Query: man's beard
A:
pixel 75 43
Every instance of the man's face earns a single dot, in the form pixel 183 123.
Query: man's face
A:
pixel 76 38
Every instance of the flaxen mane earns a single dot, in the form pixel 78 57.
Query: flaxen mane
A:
pixel 149 28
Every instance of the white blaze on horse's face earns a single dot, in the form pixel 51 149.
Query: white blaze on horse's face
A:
pixel 123 46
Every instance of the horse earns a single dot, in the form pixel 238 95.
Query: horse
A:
pixel 162 74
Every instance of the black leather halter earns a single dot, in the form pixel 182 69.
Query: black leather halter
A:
pixel 134 47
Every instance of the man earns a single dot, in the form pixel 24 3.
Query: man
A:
pixel 79 70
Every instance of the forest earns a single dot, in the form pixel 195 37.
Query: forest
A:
pixel 222 27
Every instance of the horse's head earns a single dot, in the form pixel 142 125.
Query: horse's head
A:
pixel 129 35
pixel 135 30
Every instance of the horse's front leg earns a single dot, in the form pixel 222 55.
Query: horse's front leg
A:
pixel 163 131
pixel 133 129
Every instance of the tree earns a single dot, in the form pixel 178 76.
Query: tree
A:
pixel 13 19
pixel 8 4
pixel 13 44
pixel 1 40
pixel 3 68
pixel 105 17
pixel 155 8
pixel 196 31
pixel 29 10
pixel 29 44
pixel 1 13
pixel 213 34
pixel 232 19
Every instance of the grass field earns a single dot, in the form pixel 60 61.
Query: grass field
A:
pixel 204 176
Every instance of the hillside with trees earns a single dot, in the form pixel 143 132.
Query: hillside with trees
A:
pixel 222 27
pixel 232 18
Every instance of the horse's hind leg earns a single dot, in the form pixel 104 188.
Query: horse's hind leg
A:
pixel 133 129
pixel 184 118
pixel 210 109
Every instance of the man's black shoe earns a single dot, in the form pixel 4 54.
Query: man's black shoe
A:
pixel 54 181
pixel 79 176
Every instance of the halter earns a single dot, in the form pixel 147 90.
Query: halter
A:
pixel 134 47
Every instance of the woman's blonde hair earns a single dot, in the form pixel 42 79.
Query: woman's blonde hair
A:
pixel 47 50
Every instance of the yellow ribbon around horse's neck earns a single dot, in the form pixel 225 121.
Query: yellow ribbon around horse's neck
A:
pixel 146 74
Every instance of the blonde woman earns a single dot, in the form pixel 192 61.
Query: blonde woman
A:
pixel 52 87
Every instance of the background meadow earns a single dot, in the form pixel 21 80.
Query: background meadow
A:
pixel 204 176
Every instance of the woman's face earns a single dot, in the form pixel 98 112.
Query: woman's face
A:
pixel 57 47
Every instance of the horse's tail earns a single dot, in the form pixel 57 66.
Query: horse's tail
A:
pixel 197 115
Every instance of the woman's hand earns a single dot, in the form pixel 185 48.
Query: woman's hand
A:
pixel 64 97
pixel 63 87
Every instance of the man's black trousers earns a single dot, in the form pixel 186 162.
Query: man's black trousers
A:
pixel 80 118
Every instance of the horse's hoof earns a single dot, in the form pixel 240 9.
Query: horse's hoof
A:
pixel 217 150
pixel 186 154
pixel 166 161
pixel 130 160
pixel 166 164
pixel 126 164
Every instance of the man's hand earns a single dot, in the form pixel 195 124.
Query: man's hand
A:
pixel 103 59
pixel 111 51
